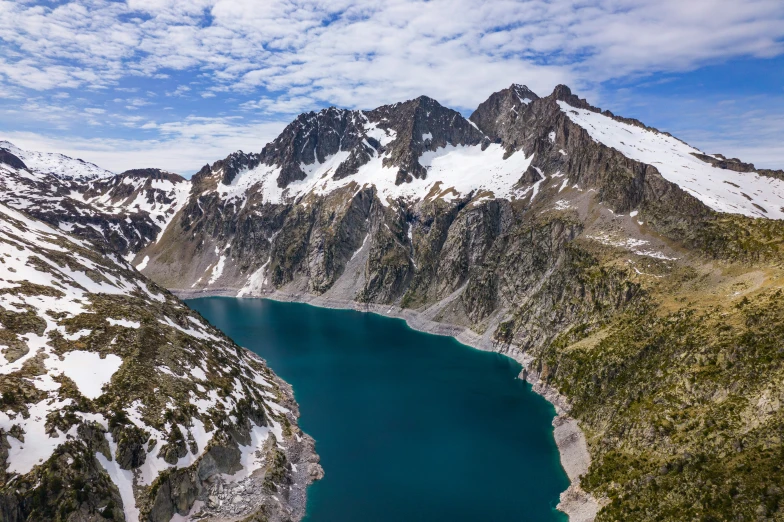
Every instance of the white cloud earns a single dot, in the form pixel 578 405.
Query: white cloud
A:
pixel 365 53
pixel 294 55
pixel 179 91
pixel 282 104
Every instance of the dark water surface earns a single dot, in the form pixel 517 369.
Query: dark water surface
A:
pixel 409 426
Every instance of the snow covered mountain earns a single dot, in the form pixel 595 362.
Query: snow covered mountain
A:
pixel 625 268
pixel 119 402
pixel 128 210
pixel 541 152
pixel 634 274
pixel 43 163
pixel 401 157
pixel 416 150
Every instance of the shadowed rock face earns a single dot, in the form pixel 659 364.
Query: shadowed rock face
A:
pixel 11 160
pixel 495 115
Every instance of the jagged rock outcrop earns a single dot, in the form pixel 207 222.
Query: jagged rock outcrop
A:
pixel 418 126
pixel 496 116
pixel 719 161
pixel 229 167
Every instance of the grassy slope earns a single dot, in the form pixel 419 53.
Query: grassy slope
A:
pixel 680 394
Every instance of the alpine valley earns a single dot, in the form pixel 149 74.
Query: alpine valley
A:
pixel 637 279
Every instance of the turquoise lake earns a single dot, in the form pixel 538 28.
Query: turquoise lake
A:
pixel 409 426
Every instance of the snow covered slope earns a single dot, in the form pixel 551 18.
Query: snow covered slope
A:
pixel 107 381
pixel 128 210
pixel 723 190
pixel 451 172
pixel 56 164
pixel 157 194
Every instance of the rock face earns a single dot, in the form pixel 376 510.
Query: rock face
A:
pixel 634 274
pixel 401 133
pixel 497 115
pixel 118 402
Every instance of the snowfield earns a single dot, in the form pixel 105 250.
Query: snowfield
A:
pixel 87 370
pixel 746 193
pixel 451 172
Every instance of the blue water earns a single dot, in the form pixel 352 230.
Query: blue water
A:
pixel 409 426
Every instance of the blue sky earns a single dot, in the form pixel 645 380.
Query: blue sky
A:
pixel 174 84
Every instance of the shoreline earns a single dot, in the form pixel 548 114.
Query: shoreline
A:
pixel 577 504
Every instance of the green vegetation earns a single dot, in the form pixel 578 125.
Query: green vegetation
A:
pixel 682 410
pixel 277 468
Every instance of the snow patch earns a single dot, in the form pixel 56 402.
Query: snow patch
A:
pixel 123 322
pixel 38 446
pixel 217 270
pixel 87 370
pixel 458 170
pixel 630 244
pixel 720 189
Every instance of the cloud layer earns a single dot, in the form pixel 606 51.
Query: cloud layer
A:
pixel 260 60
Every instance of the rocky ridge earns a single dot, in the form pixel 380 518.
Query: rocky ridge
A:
pixel 128 210
pixel 119 402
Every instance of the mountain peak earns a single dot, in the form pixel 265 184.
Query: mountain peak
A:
pixel 420 125
pixel 426 100
pixel 561 92
pixel 502 105
pixel 55 164
pixel 523 92
pixel 564 93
